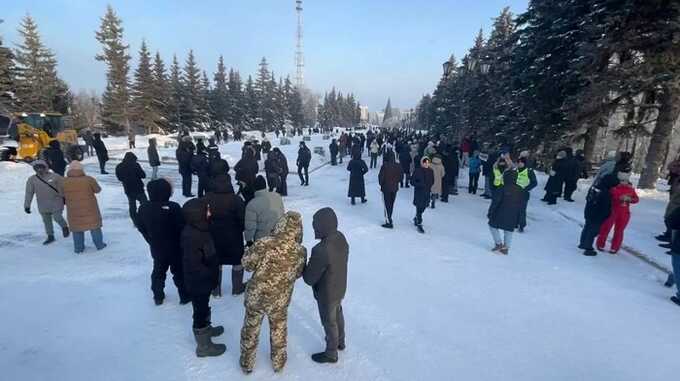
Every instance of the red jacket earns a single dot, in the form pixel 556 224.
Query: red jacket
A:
pixel 619 205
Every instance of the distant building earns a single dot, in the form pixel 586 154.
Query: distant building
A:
pixel 365 114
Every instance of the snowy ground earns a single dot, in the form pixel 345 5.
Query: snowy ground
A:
pixel 438 306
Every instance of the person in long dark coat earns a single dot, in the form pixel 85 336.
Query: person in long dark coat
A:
pixel 357 169
pixel 405 161
pixel 102 152
pixel 333 149
pixel 272 170
pixel 505 210
pixel 246 171
pixel 200 166
pixel 201 271
pixel 282 161
pixel 572 172
pixel 389 178
pixel 154 158
pixel 161 223
pixel 131 174
pixel 303 160
pixel 55 158
pixel 553 187
pixel 226 227
pixel 422 180
pixel 184 155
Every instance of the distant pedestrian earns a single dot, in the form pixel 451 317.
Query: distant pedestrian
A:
pixel 504 211
pixel 439 172
pixel 405 161
pixel 374 151
pixel 102 153
pixel 55 158
pixel 131 174
pixel 82 209
pixel 131 139
pixel 185 155
pixel 303 160
pixel 326 272
pixel 201 269
pixel 200 166
pixel 89 142
pixel 154 158
pixel 357 169
pixel 474 170
pixel 422 181
pixel 48 189
pixel 389 178
pixel 526 179
pixel 333 149
pixel 246 170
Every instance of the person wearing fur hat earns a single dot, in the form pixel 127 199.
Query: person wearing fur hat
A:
pixel 82 209
pixel 48 189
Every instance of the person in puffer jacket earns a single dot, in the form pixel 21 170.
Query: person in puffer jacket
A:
pixel 130 173
pixel 276 262
pixel 622 196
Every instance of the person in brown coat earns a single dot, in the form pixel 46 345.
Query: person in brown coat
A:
pixel 389 178
pixel 82 210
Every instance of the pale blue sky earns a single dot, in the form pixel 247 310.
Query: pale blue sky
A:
pixel 374 48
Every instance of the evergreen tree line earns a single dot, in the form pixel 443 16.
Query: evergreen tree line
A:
pixel 338 110
pixel 573 72
pixel 29 81
pixel 184 96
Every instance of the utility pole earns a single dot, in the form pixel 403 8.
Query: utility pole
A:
pixel 299 55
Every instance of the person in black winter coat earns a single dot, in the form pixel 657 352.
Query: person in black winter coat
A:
pixel 526 179
pixel 303 160
pixel 55 158
pixel 161 223
pixel 357 169
pixel 200 166
pixel 130 173
pixel 226 227
pixel 273 171
pixel 389 178
pixel 102 153
pixel 333 149
pixel 201 271
pixel 154 158
pixel 246 170
pixel 218 168
pixel 185 154
pixel 282 165
pixel 487 172
pixel 405 162
pixel 504 211
pixel 422 180
pixel 449 182
pixel 553 187
pixel 326 272
pixel 572 172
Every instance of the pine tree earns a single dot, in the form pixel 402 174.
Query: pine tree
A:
pixel 235 99
pixel 266 108
pixel 295 108
pixel 142 109
pixel 7 77
pixel 251 104
pixel 116 97
pixel 177 95
pixel 205 100
pixel 221 111
pixel 388 111
pixel 161 92
pixel 192 114
pixel 37 83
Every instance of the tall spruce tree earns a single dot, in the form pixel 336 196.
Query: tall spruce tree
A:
pixel 142 109
pixel 220 96
pixel 235 100
pixel 36 78
pixel 251 105
pixel 116 97
pixel 161 92
pixel 177 95
pixel 388 111
pixel 192 113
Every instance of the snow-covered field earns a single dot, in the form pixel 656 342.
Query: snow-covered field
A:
pixel 438 306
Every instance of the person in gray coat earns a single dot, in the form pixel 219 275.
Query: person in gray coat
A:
pixel 48 189
pixel 326 272
pixel 262 212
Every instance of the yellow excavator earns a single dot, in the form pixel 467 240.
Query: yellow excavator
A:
pixel 34 132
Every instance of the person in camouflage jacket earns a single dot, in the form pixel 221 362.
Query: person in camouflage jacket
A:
pixel 276 262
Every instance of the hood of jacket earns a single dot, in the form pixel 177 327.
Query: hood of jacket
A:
pixel 289 227
pixel 325 223
pixel 159 190
pixel 55 144
pixel 130 158
pixel 195 214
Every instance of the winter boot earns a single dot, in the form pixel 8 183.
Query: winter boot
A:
pixel 670 282
pixel 65 232
pixel 663 237
pixel 323 358
pixel 341 346
pixel 353 201
pixel 504 250
pixel 665 245
pixel 521 229
pixel 388 225
pixel 204 345
pixel 363 200
pixel 237 285
pixel 420 229
pixel 496 248
pixel 432 204
pixel 675 300
pixel 50 239
pixel 590 253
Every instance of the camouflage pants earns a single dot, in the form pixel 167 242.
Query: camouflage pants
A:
pixel 250 334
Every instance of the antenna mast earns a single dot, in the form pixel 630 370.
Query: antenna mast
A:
pixel 299 55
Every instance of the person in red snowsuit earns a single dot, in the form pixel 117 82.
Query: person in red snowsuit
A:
pixel 622 196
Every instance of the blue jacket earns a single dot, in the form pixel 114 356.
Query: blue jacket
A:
pixel 475 164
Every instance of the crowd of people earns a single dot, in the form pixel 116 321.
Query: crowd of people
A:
pixel 250 230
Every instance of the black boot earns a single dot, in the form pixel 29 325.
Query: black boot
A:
pixel 675 300
pixel 323 358
pixel 204 345
pixel 65 232
pixel 590 253
pixel 663 237
pixel 353 201
pixel 670 282
pixel 237 285
pixel 363 200
pixel 50 239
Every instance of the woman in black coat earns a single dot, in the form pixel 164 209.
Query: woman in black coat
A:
pixel 357 169
pixel 333 148
pixel 246 170
pixel 201 271
pixel 55 158
pixel 553 187
pixel 504 211
pixel 226 227
pixel 405 161
pixel 154 158
pixel 422 180
pixel 273 171
pixel 102 153
pixel 282 165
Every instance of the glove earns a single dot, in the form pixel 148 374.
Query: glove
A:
pixel 249 243
pixel 27 210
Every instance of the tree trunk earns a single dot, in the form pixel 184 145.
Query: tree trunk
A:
pixel 669 101
pixel 591 141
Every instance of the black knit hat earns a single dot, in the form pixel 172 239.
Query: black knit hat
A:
pixel 260 183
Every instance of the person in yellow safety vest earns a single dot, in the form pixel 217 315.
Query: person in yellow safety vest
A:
pixel 502 164
pixel 526 179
